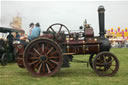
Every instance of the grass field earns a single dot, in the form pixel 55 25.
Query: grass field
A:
pixel 77 74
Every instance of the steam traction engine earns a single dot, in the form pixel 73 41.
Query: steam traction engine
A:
pixel 44 56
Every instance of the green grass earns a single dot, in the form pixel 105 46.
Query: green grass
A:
pixel 77 74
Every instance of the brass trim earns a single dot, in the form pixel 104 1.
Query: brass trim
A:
pixel 95 39
pixel 67 38
pixel 83 41
pixel 98 47
pixel 84 49
pixel 68 53
pixel 67 48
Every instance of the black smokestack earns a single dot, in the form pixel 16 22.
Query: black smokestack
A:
pixel 101 11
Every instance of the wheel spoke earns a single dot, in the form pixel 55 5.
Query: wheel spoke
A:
pixel 113 65
pixel 52 29
pixel 54 62
pixel 50 64
pixel 104 59
pixel 42 47
pixel 99 69
pixel 53 57
pixel 39 68
pixel 43 67
pixel 53 53
pixel 38 48
pixel 111 69
pixel 100 59
pixel 36 65
pixel 36 51
pixel 34 58
pixel 60 28
pixel 99 64
pixel 104 69
pixel 49 50
pixel 46 47
pixel 48 68
pixel 34 54
pixel 33 62
pixel 111 61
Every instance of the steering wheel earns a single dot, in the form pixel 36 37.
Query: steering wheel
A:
pixel 61 26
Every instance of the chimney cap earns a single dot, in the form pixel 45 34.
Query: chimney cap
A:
pixel 101 8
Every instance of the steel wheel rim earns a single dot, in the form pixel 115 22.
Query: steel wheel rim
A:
pixel 4 59
pixel 48 62
pixel 91 60
pixel 61 26
pixel 104 66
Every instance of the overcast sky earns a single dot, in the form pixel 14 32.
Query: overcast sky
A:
pixel 70 13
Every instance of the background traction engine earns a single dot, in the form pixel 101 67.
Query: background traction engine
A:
pixel 44 56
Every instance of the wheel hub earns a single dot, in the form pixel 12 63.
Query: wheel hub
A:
pixel 106 65
pixel 43 58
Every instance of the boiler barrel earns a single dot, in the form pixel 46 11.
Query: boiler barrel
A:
pixel 83 47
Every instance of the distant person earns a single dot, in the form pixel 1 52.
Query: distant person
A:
pixel 31 26
pixel 17 36
pixel 10 38
pixel 35 32
pixel 23 38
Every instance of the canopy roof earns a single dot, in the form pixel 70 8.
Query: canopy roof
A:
pixel 6 29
